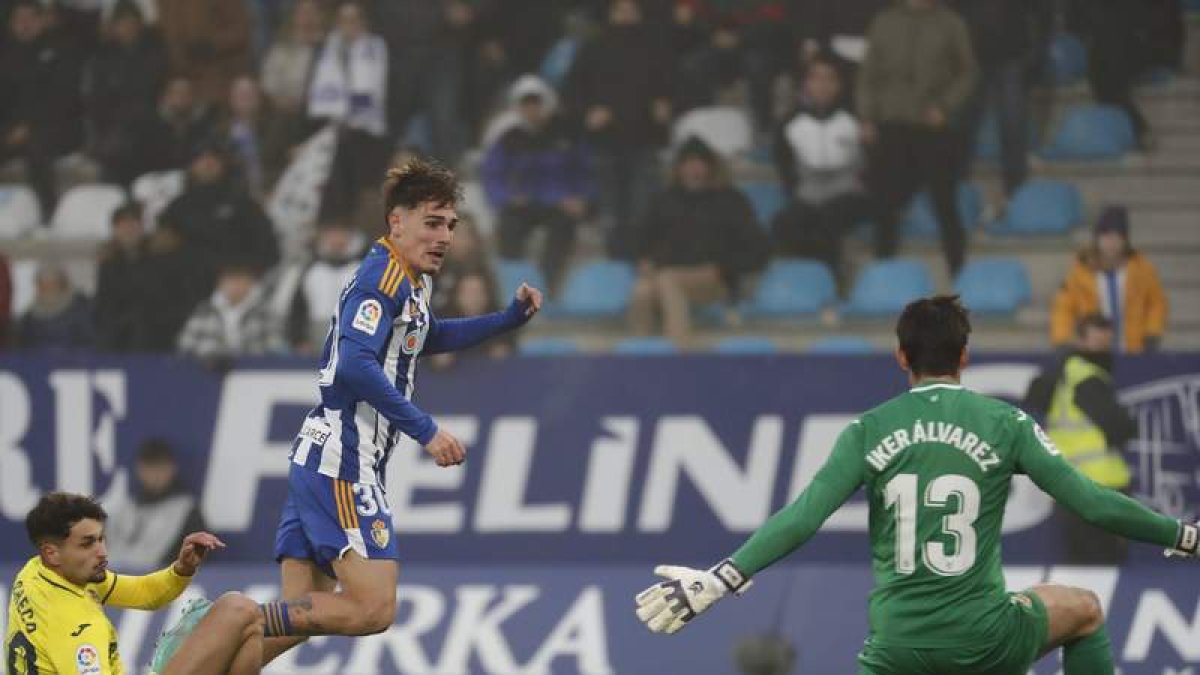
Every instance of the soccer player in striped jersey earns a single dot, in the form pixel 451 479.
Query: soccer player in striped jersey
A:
pixel 336 527
pixel 936 463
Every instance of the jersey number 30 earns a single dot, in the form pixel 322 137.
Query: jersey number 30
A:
pixel 901 493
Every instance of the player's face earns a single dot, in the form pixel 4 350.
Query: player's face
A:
pixel 83 555
pixel 423 235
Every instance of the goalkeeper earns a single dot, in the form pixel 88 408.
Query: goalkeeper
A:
pixel 936 463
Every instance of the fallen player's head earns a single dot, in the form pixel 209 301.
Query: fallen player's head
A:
pixel 68 531
pixel 932 335
pixel 420 202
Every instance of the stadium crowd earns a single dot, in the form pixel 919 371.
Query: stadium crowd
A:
pixel 624 118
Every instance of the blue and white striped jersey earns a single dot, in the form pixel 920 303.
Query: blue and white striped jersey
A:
pixel 381 324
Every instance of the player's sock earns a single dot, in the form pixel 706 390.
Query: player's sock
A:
pixel 1091 655
pixel 276 622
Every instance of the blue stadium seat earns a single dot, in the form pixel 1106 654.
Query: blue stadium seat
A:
pixel 1091 132
pixel 746 344
pixel 840 344
pixel 790 288
pixel 997 285
pixel 645 346
pixel 767 198
pixel 885 286
pixel 596 290
pixel 512 273
pixel 548 346
pixel 1041 206
pixel 921 221
pixel 1068 60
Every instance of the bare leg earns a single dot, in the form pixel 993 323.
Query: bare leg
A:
pixel 365 605
pixel 228 639
pixel 1074 613
pixel 299 578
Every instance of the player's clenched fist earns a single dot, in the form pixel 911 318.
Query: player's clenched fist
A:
pixel 669 605
pixel 446 449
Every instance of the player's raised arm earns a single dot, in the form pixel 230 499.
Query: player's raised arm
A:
pixel 669 605
pixel 451 335
pixel 1103 507
pixel 158 589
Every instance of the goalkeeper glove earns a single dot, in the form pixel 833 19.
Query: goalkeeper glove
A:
pixel 669 605
pixel 1187 544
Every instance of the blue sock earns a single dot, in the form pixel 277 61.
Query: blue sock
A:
pixel 276 622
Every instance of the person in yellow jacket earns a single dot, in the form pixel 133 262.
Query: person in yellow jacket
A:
pixel 1112 279
pixel 1089 426
pixel 56 620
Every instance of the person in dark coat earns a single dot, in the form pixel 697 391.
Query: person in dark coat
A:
pixel 697 238
pixel 60 318
pixel 122 302
pixel 41 116
pixel 537 176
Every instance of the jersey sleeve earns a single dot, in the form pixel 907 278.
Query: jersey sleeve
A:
pixel 451 335
pixel 150 591
pixel 793 525
pixel 1037 457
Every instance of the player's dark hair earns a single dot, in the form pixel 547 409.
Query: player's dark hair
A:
pixel 418 181
pixel 57 512
pixel 932 334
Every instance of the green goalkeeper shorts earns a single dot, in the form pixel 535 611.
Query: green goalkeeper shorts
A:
pixel 1017 644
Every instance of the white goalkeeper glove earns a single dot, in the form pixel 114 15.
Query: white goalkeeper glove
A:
pixel 1188 544
pixel 669 605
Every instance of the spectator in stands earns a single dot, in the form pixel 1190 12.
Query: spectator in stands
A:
pixel 144 528
pixel 918 72
pixel 618 91
pixel 1010 38
pixel 255 138
pixel 236 321
pixel 819 158
pixel 60 317
pixel 349 87
pixel 1117 35
pixel 1088 424
pixel 468 285
pixel 123 82
pixel 1111 278
pixel 6 301
pixel 41 117
pixel 123 297
pixel 475 293
pixel 288 66
pixel 429 43
pixel 175 281
pixel 180 123
pixel 337 252
pixel 217 219
pixel 698 237
pixel 208 43
pixel 835 27
pixel 538 176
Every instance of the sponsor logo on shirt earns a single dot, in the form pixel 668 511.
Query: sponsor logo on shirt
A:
pixel 315 430
pixel 87 660
pixel 366 319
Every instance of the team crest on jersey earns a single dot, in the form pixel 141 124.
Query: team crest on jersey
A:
pixel 87 660
pixel 367 317
pixel 412 342
pixel 380 534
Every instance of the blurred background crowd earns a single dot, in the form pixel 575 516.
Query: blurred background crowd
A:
pixel 737 175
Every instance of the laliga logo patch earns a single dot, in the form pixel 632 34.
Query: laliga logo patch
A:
pixel 87 660
pixel 380 534
pixel 367 317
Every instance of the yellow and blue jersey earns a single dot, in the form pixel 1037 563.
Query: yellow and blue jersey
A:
pixel 58 628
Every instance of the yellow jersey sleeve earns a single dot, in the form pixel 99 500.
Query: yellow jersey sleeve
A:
pixel 150 591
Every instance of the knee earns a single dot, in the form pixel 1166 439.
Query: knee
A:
pixel 238 609
pixel 378 614
pixel 1091 612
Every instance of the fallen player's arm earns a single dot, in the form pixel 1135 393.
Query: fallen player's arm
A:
pixel 452 335
pixel 1103 507
pixel 148 591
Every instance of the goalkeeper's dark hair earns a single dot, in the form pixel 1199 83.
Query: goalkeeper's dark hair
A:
pixel 933 333
pixel 418 181
pixel 57 512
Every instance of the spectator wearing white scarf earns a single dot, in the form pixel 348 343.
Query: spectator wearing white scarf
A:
pixel 350 82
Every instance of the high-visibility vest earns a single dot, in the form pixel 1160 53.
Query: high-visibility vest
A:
pixel 1081 442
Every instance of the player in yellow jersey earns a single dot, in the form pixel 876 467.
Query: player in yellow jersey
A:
pixel 56 620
